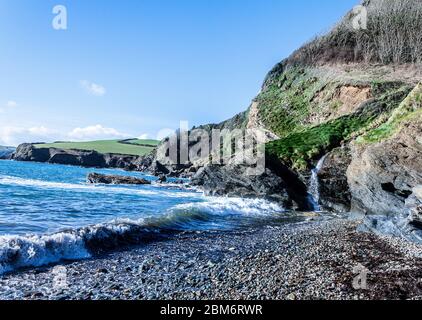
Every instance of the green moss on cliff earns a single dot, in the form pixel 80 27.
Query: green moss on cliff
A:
pixel 410 108
pixel 300 148
pixel 286 100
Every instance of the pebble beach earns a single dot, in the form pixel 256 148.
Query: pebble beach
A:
pixel 305 261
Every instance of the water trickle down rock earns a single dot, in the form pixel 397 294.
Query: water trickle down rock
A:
pixel 314 195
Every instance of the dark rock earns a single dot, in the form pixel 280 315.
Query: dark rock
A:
pixel 143 163
pixel 27 152
pixel 157 168
pixel 232 181
pixel 114 179
pixel 334 189
pixel 77 158
pixel 120 161
pixel 193 169
pixel 65 158
pixel 162 179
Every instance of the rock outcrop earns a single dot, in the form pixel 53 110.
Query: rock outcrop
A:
pixel 382 176
pixel 334 192
pixel 387 162
pixel 277 183
pixel 27 152
pixel 96 178
pixel 341 96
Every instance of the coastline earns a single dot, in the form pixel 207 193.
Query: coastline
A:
pixel 312 260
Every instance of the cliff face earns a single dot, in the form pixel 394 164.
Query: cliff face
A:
pixel 387 161
pixel 347 112
pixel 28 152
pixel 353 96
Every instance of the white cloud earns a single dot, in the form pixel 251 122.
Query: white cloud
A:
pixel 93 88
pixel 13 136
pixel 164 133
pixel 144 136
pixel 97 132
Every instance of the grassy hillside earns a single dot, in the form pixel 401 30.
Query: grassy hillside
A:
pixel 130 147
pixel 345 84
pixel 140 142
pixel 312 112
pixel 408 110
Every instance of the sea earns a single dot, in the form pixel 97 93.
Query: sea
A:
pixel 49 213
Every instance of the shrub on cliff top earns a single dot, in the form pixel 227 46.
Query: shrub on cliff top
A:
pixel 393 35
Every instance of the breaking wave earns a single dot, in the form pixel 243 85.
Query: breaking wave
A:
pixel 217 213
pixel 234 206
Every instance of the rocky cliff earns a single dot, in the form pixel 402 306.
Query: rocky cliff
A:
pixel 28 152
pixel 353 96
pixel 387 161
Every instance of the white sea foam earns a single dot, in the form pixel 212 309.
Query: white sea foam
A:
pixel 251 207
pixel 15 181
pixel 38 250
pixel 34 251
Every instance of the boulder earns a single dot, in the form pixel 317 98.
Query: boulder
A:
pixel 97 178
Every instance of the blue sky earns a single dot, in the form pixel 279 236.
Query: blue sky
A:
pixel 134 67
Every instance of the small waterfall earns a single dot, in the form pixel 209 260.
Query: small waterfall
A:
pixel 314 185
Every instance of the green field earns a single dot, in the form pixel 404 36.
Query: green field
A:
pixel 134 147
pixel 142 142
